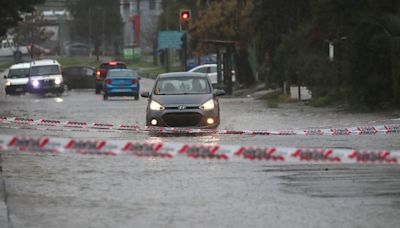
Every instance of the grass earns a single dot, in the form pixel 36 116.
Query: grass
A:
pixel 154 71
pixel 274 98
pixel 321 102
pixel 5 65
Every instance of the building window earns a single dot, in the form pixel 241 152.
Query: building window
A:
pixel 152 4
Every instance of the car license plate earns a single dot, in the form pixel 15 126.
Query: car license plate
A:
pixel 19 89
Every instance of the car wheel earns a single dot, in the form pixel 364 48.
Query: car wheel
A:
pixel 17 55
pixel 136 97
pixel 67 87
pixel 105 96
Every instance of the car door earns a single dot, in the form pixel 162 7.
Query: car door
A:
pixel 86 77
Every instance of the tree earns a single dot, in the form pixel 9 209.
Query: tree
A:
pixel 227 20
pixel 273 20
pixel 10 12
pixel 293 37
pixel 98 21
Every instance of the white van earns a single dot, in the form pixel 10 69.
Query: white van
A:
pixel 17 78
pixel 45 77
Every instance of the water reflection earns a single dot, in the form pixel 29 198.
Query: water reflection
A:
pixel 59 99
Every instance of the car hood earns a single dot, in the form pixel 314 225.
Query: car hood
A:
pixel 184 99
pixel 18 81
pixel 46 77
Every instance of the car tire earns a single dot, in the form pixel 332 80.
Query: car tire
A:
pixel 105 96
pixel 67 87
pixel 17 55
pixel 136 97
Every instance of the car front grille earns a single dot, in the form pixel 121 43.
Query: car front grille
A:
pixel 47 82
pixel 179 107
pixel 186 119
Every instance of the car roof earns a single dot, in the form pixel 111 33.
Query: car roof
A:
pixel 181 74
pixel 113 61
pixel 206 65
pixel 44 62
pixel 20 66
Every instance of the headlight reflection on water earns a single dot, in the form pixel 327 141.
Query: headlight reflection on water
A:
pixel 59 100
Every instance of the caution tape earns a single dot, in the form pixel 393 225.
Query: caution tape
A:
pixel 167 150
pixel 107 127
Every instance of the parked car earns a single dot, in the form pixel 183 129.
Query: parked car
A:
pixel 200 60
pixel 211 71
pixel 45 77
pixel 101 72
pixel 17 78
pixel 121 82
pixel 78 77
pixel 183 99
pixel 77 49
pixel 10 49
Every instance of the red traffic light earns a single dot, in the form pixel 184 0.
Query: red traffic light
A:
pixel 185 15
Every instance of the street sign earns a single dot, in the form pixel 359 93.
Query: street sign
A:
pixel 169 39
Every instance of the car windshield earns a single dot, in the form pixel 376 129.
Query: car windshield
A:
pixel 117 74
pixel 45 70
pixel 182 85
pixel 18 73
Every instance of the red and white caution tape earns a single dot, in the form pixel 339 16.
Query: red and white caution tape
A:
pixel 74 125
pixel 49 145
pixel 106 127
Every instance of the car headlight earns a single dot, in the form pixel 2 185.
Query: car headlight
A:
pixel 35 83
pixel 155 106
pixel 57 81
pixel 8 83
pixel 208 105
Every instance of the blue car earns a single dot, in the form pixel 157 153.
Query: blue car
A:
pixel 121 82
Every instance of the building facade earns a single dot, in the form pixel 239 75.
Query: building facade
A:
pixel 140 18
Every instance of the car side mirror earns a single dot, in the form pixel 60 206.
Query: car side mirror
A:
pixel 5 76
pixel 219 92
pixel 145 94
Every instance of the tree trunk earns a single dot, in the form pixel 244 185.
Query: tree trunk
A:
pixel 245 73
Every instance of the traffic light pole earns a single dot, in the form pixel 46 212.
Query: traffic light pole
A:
pixel 184 41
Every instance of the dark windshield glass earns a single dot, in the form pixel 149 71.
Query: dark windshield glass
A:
pixel 18 73
pixel 45 70
pixel 182 85
pixel 116 74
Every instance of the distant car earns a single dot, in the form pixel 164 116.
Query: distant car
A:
pixel 8 49
pixel 45 77
pixel 211 71
pixel 101 72
pixel 121 82
pixel 17 78
pixel 78 77
pixel 183 99
pixel 77 49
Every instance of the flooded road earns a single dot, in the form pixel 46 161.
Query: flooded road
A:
pixel 71 190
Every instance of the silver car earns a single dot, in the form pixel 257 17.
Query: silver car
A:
pixel 183 99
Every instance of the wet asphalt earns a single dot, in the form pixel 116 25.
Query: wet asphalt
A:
pixel 102 191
